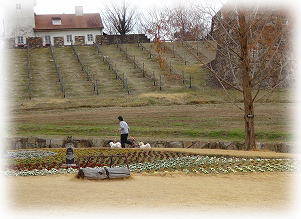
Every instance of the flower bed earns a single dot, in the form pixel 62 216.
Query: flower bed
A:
pixel 50 158
pixel 215 165
pixel 41 172
pixel 27 154
pixel 196 164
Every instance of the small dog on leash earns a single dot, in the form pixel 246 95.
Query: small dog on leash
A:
pixel 142 145
pixel 115 145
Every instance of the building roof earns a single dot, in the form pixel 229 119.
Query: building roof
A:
pixel 68 21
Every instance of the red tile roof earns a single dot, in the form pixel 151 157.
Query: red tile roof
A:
pixel 69 21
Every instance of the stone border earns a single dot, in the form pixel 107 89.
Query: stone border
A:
pixel 16 143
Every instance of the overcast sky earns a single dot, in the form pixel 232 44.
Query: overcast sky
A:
pixel 67 6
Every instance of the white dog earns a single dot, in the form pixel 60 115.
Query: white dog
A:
pixel 142 145
pixel 115 145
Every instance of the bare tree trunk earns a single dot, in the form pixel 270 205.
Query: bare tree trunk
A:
pixel 246 82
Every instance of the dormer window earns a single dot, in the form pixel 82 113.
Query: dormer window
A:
pixel 56 21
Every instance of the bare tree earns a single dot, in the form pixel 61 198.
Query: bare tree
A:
pixel 155 24
pixel 188 23
pixel 252 56
pixel 178 23
pixel 120 19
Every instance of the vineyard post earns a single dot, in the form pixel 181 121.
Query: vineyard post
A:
pixel 190 80
pixel 97 90
pixel 173 51
pixel 160 82
pixel 154 78
pixel 134 62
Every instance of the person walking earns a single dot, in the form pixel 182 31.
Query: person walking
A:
pixel 124 132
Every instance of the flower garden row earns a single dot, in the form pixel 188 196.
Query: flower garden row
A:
pixel 197 164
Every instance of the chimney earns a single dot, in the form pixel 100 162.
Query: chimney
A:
pixel 79 11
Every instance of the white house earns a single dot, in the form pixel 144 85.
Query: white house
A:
pixel 56 29
pixel 78 28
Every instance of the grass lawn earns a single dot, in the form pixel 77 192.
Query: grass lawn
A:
pixel 202 122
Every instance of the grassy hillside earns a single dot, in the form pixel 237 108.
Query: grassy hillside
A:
pixel 44 78
pixel 44 81
pixel 17 74
pixel 108 85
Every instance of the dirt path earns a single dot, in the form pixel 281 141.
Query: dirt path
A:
pixel 265 191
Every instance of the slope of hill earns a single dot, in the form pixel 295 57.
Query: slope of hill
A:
pixel 44 79
pixel 17 74
pixel 76 84
pixel 108 85
pixel 137 63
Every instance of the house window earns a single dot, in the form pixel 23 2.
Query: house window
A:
pixel 69 38
pixel 20 40
pixel 90 37
pixel 18 6
pixel 47 40
pixel 56 21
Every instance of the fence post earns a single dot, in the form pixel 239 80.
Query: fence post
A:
pixel 64 94
pixel 160 83
pixel 28 75
pixel 127 86
pixel 183 75
pixel 123 80
pixel 197 48
pixel 169 66
pixel 97 90
pixel 134 62
pixel 173 51
pixel 154 78
pixel 190 80
pixel 143 70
